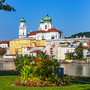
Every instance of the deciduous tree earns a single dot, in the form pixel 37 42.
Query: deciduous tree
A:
pixel 79 51
pixel 5 7
pixel 2 51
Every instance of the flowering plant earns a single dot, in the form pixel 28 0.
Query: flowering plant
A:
pixel 40 72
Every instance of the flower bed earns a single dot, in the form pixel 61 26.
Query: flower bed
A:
pixel 40 73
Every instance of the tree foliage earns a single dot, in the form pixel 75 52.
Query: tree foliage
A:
pixel 19 61
pixel 2 51
pixel 69 56
pixel 5 7
pixel 42 55
pixel 79 51
pixel 82 34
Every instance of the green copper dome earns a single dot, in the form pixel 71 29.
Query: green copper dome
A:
pixel 22 20
pixel 41 21
pixel 47 19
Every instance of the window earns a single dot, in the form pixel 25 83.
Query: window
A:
pixel 23 33
pixel 45 26
pixel 42 37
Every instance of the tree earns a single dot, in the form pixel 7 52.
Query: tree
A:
pixel 79 51
pixel 2 51
pixel 5 7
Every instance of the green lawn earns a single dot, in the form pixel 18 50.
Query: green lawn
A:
pixel 6 81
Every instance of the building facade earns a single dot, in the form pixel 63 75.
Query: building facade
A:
pixel 22 28
pixel 4 44
pixel 45 31
pixel 59 52
pixel 16 45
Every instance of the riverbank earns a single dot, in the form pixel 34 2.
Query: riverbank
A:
pixel 79 62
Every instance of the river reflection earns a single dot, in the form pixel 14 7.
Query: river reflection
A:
pixel 7 66
pixel 76 69
pixel 70 69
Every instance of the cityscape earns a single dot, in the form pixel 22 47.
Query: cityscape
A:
pixel 45 56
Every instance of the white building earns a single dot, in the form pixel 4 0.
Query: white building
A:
pixel 45 30
pixel 28 50
pixel 85 51
pixel 4 44
pixel 22 28
pixel 59 52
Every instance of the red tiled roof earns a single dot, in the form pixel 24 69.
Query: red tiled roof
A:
pixel 77 41
pixel 43 31
pixel 84 48
pixel 40 46
pixel 28 48
pixel 69 53
pixel 4 42
pixel 88 43
pixel 35 51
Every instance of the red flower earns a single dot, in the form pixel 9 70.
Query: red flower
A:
pixel 37 59
pixel 41 60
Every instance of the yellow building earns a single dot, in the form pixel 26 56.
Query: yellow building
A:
pixel 15 46
pixel 40 43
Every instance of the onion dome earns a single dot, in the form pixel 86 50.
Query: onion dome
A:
pixel 47 19
pixel 22 20
pixel 41 21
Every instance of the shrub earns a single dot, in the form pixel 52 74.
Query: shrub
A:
pixel 19 62
pixel 40 72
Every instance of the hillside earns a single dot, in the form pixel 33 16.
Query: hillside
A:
pixel 86 34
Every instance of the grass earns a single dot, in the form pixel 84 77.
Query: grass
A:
pixel 6 81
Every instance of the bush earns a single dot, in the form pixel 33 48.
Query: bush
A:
pixel 19 62
pixel 40 72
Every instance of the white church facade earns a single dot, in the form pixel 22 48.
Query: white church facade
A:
pixel 22 28
pixel 45 30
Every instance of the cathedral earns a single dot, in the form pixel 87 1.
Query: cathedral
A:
pixel 45 30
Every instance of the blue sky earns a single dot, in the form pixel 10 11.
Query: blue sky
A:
pixel 70 16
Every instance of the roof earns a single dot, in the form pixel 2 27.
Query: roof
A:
pixel 28 48
pixel 88 43
pixel 35 51
pixel 43 31
pixel 69 46
pixel 69 53
pixel 23 38
pixel 4 42
pixel 22 20
pixel 77 41
pixel 84 48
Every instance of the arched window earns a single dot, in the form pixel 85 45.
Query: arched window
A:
pixel 23 33
pixel 45 26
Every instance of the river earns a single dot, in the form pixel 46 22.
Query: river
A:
pixel 70 69
pixel 76 69
pixel 7 66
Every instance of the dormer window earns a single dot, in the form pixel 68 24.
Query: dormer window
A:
pixel 45 26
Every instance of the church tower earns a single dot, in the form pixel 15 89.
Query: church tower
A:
pixel 22 28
